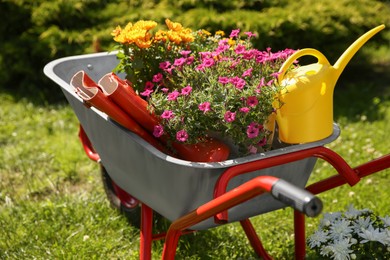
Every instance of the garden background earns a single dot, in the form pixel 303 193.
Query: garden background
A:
pixel 52 203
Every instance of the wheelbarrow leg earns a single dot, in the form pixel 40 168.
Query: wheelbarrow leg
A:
pixel 146 233
pixel 254 239
pixel 300 236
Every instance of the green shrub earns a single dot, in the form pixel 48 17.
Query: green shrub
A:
pixel 35 32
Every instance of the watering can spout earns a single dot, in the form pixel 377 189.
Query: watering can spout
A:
pixel 344 59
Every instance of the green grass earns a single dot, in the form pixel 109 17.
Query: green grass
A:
pixel 53 206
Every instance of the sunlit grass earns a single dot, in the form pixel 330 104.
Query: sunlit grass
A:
pixel 53 206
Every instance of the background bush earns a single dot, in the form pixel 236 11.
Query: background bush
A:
pixel 36 32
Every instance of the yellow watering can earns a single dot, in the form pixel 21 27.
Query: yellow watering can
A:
pixel 306 113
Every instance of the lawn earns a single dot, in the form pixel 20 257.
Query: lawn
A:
pixel 53 206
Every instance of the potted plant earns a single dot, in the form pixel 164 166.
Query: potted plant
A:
pixel 201 85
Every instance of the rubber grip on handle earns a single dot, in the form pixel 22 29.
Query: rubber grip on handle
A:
pixel 298 198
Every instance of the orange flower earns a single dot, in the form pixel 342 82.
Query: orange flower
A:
pixel 160 35
pixel 146 25
pixel 173 26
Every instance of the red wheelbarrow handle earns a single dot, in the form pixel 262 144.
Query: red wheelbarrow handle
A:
pixel 91 153
pixel 284 191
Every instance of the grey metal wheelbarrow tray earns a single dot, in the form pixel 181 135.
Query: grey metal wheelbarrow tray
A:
pixel 170 186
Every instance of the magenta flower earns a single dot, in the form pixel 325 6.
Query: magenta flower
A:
pixel 263 142
pixel 186 91
pixel 182 136
pixel 149 85
pixel 164 65
pixel 247 73
pixel 275 74
pixel 146 92
pixel 245 110
pixel 252 131
pixel 252 101
pixel 230 116
pixel 238 82
pixel 250 34
pixel 190 60
pixel 223 80
pixel 157 78
pixel 167 114
pixel 173 95
pixel 208 62
pixel 234 33
pixel 205 106
pixel 185 53
pixel 158 130
pixel 240 49
pixel 179 62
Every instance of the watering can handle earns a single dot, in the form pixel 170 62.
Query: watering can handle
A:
pixel 308 51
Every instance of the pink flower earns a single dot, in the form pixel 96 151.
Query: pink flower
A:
pixel 247 73
pixel 149 85
pixel 223 80
pixel 244 110
pixel 179 62
pixel 252 149
pixel 186 91
pixel 230 116
pixel 238 82
pixel 157 78
pixel 173 95
pixel 252 101
pixel 250 34
pixel 252 131
pixel 167 114
pixel 158 130
pixel 146 92
pixel 182 136
pixel 240 49
pixel 262 142
pixel 208 62
pixel 164 65
pixel 234 33
pixel 205 106
pixel 185 53
pixel 190 60
pixel 275 74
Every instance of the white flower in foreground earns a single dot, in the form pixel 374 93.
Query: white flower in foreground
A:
pixel 352 212
pixel 373 234
pixel 362 223
pixel 340 229
pixel 386 221
pixel 319 237
pixel 329 218
pixel 339 250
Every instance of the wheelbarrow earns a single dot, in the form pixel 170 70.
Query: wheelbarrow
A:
pixel 193 195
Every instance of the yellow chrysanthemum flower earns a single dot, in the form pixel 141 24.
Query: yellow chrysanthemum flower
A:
pixel 231 42
pixel 174 37
pixel 173 26
pixel 206 32
pixel 143 44
pixel 116 31
pixel 160 35
pixel 146 25
pixel 222 33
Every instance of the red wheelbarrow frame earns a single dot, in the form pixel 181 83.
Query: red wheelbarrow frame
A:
pixel 225 200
